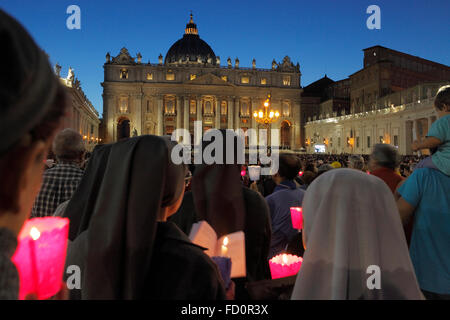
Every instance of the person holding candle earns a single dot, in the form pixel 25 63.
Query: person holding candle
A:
pixel 285 196
pixel 33 102
pixel 129 250
pixel 219 198
pixel 355 245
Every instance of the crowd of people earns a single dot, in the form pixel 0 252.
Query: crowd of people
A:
pixel 131 208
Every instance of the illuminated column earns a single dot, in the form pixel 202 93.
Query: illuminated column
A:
pixel 253 108
pixel 186 113
pixel 160 125
pixel 216 101
pixel 179 119
pixel 230 113
pixel 237 123
pixel 199 109
pixel 138 113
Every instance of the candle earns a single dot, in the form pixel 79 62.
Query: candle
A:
pixel 243 172
pixel 284 265
pixel 41 255
pixel 224 249
pixel 34 234
pixel 297 218
pixel 254 172
pixel 300 173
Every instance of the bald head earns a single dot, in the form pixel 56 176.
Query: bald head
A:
pixel 68 145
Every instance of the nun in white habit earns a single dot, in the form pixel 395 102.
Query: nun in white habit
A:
pixel 352 230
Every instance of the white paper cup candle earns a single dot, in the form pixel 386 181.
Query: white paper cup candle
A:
pixel 254 172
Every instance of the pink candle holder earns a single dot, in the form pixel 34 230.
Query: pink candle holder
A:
pixel 284 265
pixel 41 255
pixel 297 217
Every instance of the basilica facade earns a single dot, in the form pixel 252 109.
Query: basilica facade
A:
pixel 191 84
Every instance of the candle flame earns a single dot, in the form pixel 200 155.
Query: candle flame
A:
pixel 225 241
pixel 34 233
pixel 284 258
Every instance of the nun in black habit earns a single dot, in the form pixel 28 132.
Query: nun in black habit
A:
pixel 219 197
pixel 127 249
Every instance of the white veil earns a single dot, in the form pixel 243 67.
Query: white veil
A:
pixel 351 222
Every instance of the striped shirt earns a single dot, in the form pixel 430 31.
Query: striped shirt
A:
pixel 58 185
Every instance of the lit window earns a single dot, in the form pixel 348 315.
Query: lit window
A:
pixel 170 76
pixel 287 80
pixel 149 76
pixel 286 109
pixel 123 74
pixel 169 106
pixel 244 109
pixel 263 80
pixel 193 107
pixel 208 108
pixel 123 104
pixel 245 79
pixel 193 76
pixel 224 78
pixel 169 130
pixel 223 108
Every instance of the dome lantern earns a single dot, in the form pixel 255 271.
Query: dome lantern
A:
pixel 190 48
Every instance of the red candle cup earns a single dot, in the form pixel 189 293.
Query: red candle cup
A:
pixel 297 217
pixel 284 265
pixel 41 255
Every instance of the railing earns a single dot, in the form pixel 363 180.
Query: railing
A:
pixel 365 114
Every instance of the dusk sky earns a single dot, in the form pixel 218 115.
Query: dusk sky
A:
pixel 323 36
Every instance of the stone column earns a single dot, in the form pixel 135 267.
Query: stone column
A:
pixel 253 107
pixel 160 124
pixel 217 109
pixel 137 114
pixel 179 113
pixel 186 113
pixel 109 112
pixel 236 106
pixel 230 113
pixel 199 109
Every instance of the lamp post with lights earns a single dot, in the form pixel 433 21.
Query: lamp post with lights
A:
pixel 267 115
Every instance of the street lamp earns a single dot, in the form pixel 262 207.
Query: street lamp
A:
pixel 266 115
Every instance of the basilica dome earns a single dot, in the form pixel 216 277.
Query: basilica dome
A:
pixel 190 48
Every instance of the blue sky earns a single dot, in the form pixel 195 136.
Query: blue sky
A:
pixel 323 36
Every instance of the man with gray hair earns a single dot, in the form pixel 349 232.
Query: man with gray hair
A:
pixel 60 182
pixel 383 162
pixel 356 162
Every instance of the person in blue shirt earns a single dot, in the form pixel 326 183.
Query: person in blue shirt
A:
pixel 438 136
pixel 285 196
pixel 425 195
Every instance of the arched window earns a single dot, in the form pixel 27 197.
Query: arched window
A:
pixel 285 135
pixel 169 107
pixel 208 108
pixel 123 105
pixel 286 109
pixel 123 73
pixel 245 108
pixel 123 128
pixel 192 107
pixel 223 108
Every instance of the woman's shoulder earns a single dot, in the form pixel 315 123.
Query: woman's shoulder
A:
pixel 254 200
pixel 175 243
